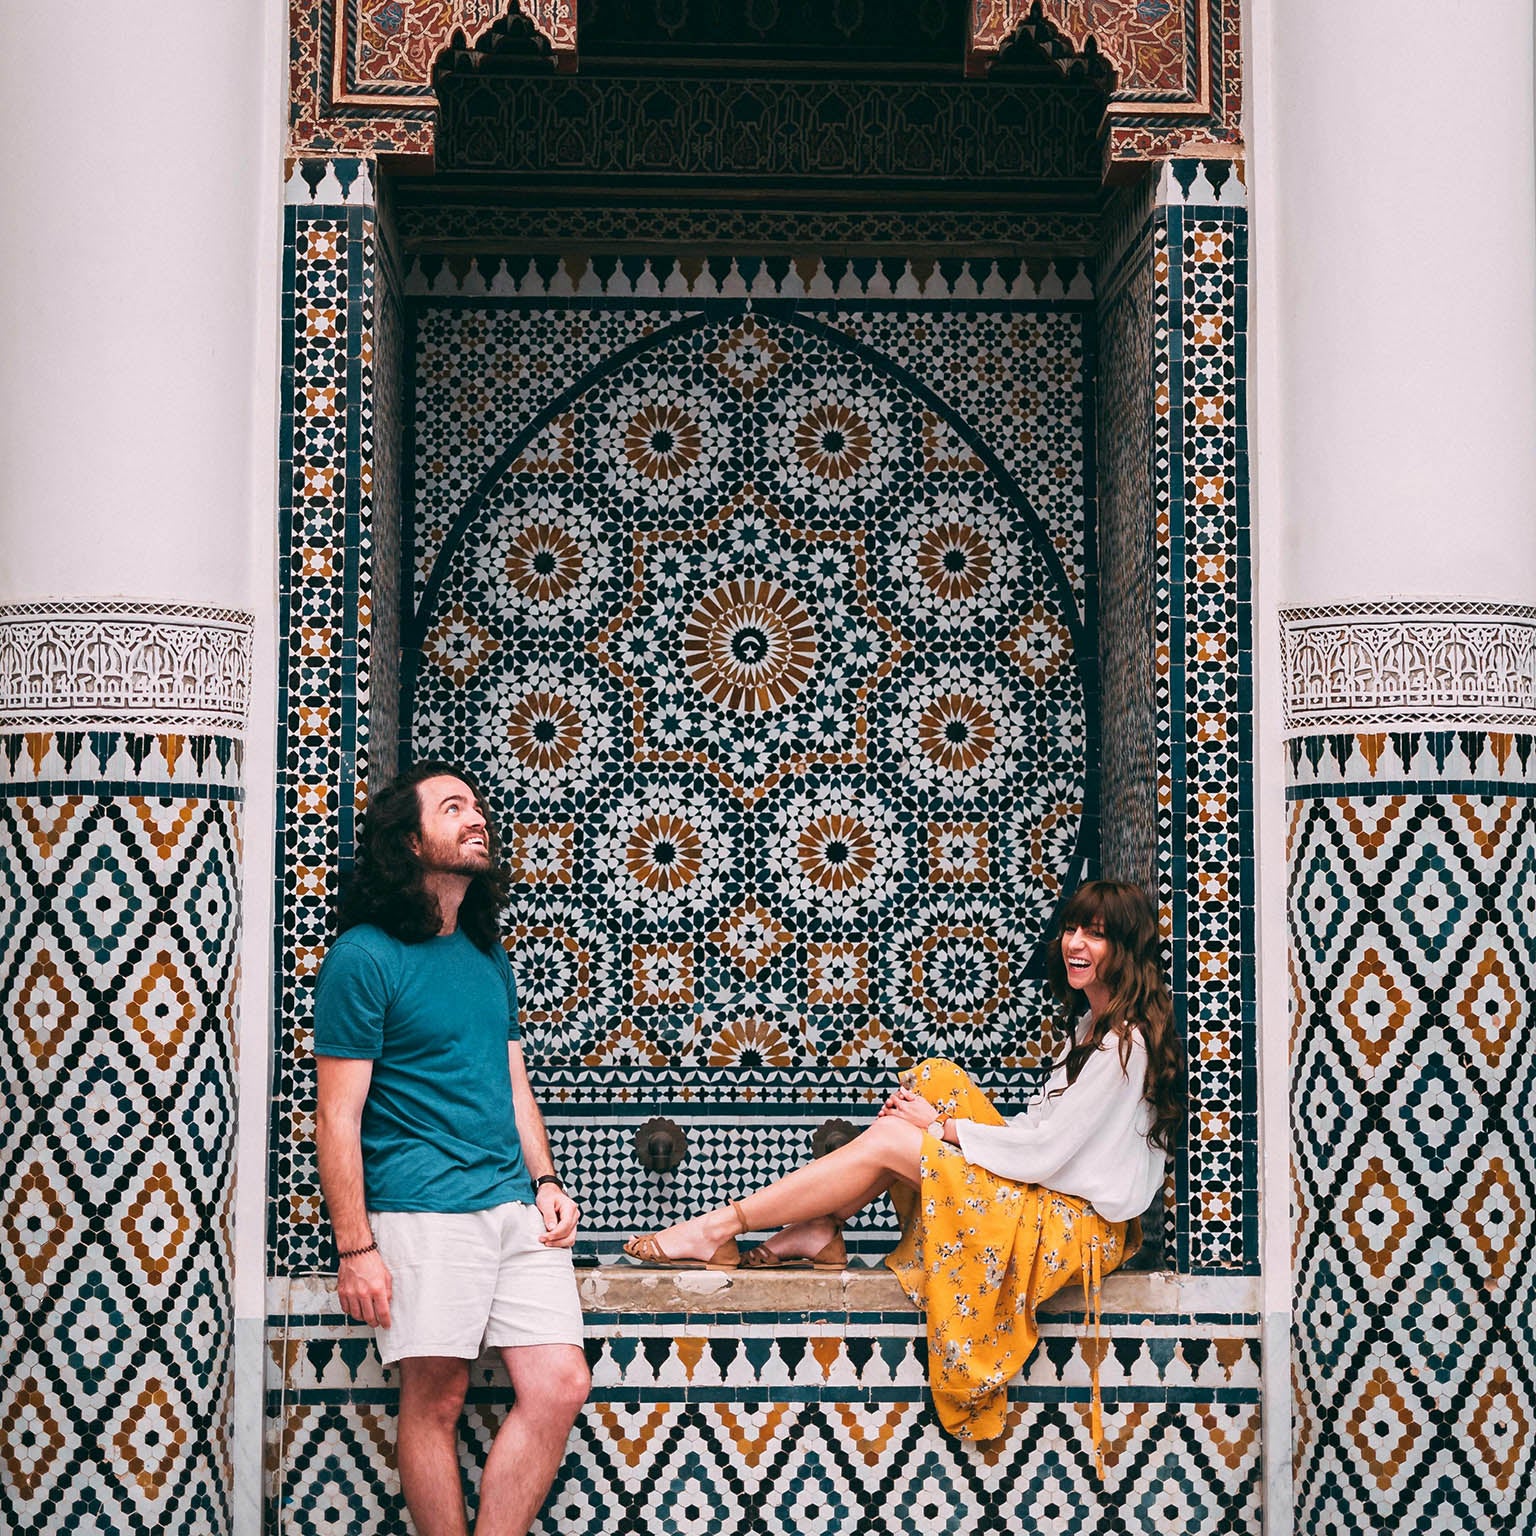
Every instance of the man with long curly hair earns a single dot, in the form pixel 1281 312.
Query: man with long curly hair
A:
pixel 453 1231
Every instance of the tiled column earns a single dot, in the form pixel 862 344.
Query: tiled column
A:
pixel 1176 648
pixel 120 858
pixel 137 431
pixel 1412 857
pixel 1396 458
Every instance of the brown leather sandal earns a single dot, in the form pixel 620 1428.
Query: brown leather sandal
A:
pixel 833 1256
pixel 646 1250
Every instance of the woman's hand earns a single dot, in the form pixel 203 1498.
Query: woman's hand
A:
pixel 912 1107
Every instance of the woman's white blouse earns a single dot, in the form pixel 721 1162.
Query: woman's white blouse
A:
pixel 1089 1141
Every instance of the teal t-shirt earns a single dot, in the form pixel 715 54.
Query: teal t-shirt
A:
pixel 434 1018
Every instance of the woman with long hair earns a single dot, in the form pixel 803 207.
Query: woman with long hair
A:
pixel 997 1214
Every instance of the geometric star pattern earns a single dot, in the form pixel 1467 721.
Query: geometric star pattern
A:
pixel 519 418
pixel 750 613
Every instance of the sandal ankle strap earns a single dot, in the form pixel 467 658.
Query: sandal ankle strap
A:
pixel 741 1216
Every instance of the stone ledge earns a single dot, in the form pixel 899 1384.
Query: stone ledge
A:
pixel 636 1293
pixel 628 1289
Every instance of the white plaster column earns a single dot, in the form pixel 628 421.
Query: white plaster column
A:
pixel 140 304
pixel 1392 151
pixel 142 165
pixel 1396 170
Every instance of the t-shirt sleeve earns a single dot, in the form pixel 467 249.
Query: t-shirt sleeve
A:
pixel 514 1029
pixel 352 995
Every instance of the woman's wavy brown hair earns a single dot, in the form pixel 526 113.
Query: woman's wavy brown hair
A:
pixel 1138 996
pixel 386 888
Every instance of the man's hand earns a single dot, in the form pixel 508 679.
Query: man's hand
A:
pixel 364 1288
pixel 560 1216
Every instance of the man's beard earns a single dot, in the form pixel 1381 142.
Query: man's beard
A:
pixel 460 859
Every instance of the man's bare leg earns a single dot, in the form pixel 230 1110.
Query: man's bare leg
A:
pixel 432 1392
pixel 551 1382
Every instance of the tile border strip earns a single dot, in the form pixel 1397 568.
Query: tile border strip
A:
pixel 583 274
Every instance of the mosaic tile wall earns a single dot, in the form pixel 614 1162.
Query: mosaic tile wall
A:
pixel 1175 627
pixel 1412 858
pixel 810 863
pixel 380 446
pixel 738 1422
pixel 330 1442
pixel 120 860
pixel 1198 286
pixel 1129 547
pixel 946 350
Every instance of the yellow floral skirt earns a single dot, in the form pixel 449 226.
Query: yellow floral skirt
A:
pixel 978 1254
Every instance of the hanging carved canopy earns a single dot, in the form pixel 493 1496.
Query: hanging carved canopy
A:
pixel 362 70
pixel 1176 63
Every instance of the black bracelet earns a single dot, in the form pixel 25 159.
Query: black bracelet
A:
pixel 548 1178
pixel 357 1253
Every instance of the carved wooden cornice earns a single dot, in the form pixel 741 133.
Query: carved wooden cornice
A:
pixel 360 73
pixel 1176 66
pixel 385 47
pixel 362 70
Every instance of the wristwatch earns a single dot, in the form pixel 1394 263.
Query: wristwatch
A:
pixel 548 1178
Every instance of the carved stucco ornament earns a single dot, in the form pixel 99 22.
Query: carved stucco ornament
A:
pixel 1411 664
pixel 553 20
pixel 384 51
pixel 1176 66
pixel 994 24
pixel 114 663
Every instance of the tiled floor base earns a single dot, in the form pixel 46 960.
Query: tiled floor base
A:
pixel 715 1412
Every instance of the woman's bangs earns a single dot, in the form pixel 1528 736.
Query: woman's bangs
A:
pixel 1084 908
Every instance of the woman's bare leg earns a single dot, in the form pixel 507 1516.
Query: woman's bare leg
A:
pixel 840 1183
pixel 805 1239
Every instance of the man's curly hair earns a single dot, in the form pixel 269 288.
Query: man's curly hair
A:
pixel 386 886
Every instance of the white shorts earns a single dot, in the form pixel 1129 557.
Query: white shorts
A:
pixel 462 1282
